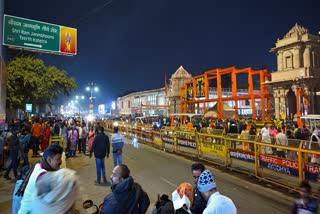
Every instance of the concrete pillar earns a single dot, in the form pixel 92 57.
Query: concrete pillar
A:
pixel 307 56
pixel 296 58
pixel 277 107
pixel 280 61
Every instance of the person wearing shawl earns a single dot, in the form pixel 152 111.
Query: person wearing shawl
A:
pixel 56 192
pixel 50 161
pixel 182 199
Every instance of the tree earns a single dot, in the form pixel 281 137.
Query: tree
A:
pixel 30 81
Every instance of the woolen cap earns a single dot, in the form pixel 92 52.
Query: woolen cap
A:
pixel 206 181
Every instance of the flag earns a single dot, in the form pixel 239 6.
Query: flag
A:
pixel 165 83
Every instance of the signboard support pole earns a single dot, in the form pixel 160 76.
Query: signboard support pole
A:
pixel 3 80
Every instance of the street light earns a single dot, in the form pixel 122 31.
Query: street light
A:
pixel 82 97
pixel 92 87
pixel 77 97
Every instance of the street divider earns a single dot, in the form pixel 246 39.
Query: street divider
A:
pixel 286 165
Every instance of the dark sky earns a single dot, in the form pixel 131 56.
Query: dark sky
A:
pixel 129 44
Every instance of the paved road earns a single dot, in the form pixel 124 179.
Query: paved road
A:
pixel 161 172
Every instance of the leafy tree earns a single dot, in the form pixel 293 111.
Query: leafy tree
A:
pixel 30 81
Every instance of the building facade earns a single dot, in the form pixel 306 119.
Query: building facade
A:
pixel 296 81
pixel 155 102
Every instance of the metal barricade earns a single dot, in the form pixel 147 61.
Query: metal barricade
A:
pixel 167 138
pixel 146 134
pixel 157 139
pixel 56 140
pixel 213 148
pixel 186 143
pixel 241 156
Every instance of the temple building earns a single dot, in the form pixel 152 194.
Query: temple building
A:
pixel 296 82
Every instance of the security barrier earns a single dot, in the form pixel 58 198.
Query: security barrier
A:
pixel 287 164
pixel 55 139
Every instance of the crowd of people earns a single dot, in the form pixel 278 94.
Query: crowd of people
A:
pixel 45 186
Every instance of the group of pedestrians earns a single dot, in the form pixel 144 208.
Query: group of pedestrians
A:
pixel 204 197
pixel 101 150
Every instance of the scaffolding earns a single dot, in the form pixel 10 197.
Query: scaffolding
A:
pixel 200 92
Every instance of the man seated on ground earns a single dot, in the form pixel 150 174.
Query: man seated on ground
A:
pixel 50 161
pixel 216 203
pixel 127 196
pixel 163 206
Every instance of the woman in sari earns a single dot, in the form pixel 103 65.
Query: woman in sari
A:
pixel 90 137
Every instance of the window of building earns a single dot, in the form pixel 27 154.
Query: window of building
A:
pixel 128 103
pixel 152 99
pixel 121 104
pixel 288 61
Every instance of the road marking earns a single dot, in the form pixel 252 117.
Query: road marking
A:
pixel 33 45
pixel 168 182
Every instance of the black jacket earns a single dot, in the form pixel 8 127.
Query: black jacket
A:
pixel 14 142
pixel 199 203
pixel 126 198
pixel 100 146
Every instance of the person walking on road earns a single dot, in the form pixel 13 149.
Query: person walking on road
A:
pixel 199 203
pixel 64 135
pixel 79 140
pixel 46 137
pixel 50 161
pixel 25 143
pixel 127 196
pixel 36 131
pixel 216 203
pixel 117 145
pixel 101 149
pixel 90 138
pixel 73 136
pixel 83 138
pixel 14 146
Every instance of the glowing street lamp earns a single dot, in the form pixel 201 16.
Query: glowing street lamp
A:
pixel 92 87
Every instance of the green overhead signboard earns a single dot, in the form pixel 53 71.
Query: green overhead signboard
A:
pixel 30 34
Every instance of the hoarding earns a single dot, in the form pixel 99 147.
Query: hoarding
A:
pixel 41 36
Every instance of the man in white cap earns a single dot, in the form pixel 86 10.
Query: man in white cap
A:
pixel 216 203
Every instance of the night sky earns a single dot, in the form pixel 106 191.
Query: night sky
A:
pixel 129 44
